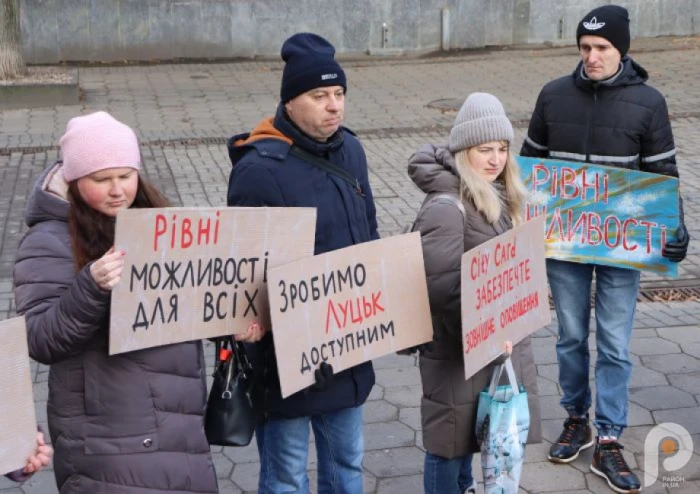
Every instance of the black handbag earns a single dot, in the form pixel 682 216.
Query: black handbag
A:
pixel 231 416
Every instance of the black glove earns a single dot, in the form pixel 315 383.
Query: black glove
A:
pixel 324 377
pixel 676 250
pixel 424 347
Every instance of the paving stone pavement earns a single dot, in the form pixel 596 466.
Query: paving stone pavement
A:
pixel 182 112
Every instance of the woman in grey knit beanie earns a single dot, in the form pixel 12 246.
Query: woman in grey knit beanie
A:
pixel 474 193
pixel 480 142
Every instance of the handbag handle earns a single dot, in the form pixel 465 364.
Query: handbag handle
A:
pixel 496 377
pixel 222 342
pixel 218 364
pixel 238 361
pixel 239 356
pixel 241 359
pixel 226 394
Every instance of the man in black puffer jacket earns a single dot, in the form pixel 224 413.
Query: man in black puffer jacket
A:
pixel 603 113
pixel 277 165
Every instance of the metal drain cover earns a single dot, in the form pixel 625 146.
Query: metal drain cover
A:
pixel 661 294
pixel 446 105
pixel 684 294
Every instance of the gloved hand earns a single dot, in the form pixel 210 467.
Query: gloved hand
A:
pixel 675 250
pixel 324 377
pixel 424 347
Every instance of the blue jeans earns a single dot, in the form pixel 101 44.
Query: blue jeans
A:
pixel 283 445
pixel 443 476
pixel 615 303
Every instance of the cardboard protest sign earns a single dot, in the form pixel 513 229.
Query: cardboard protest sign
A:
pixel 17 417
pixel 194 273
pixel 504 293
pixel 603 215
pixel 347 307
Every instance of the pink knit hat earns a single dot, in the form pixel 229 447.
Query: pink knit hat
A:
pixel 96 142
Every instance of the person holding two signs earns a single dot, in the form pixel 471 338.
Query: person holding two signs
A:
pixel 475 193
pixel 303 157
pixel 130 422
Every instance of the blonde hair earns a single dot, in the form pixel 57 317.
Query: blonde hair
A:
pixel 487 199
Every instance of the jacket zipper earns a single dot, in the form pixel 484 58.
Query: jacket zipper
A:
pixel 591 121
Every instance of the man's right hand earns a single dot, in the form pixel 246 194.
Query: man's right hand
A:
pixel 324 377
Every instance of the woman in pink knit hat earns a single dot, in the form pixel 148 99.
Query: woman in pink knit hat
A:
pixel 130 423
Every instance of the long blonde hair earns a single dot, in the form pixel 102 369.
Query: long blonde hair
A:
pixel 485 196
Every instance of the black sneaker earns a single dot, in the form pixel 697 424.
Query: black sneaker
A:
pixel 609 463
pixel 575 437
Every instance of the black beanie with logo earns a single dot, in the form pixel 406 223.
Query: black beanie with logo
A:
pixel 611 22
pixel 309 63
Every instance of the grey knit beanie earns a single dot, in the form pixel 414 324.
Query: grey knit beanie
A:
pixel 481 119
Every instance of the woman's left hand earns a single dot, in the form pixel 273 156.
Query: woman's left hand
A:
pixel 41 457
pixel 508 346
pixel 254 333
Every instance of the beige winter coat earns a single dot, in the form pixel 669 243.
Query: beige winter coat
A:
pixel 449 403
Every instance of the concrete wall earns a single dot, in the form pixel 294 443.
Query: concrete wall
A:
pixel 110 30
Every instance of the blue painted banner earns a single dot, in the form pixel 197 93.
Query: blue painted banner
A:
pixel 603 215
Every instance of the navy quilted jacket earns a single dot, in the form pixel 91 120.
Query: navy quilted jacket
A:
pixel 266 174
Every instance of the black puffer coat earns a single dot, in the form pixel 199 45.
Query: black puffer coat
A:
pixel 126 424
pixel 619 122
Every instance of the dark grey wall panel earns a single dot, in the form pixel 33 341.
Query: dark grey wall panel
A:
pixel 102 30
pixel 73 21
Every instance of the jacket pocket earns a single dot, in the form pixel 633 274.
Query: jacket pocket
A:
pixel 139 444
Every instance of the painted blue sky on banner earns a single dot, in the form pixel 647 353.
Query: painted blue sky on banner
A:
pixel 603 215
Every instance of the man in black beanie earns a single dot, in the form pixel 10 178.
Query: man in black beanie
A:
pixel 603 113
pixel 303 157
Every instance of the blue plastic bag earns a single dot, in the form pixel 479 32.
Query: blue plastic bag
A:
pixel 502 424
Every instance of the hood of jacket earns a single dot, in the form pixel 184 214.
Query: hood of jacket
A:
pixel 630 74
pixel 433 169
pixel 48 199
pixel 275 135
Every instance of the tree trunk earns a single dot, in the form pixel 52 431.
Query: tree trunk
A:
pixel 11 58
